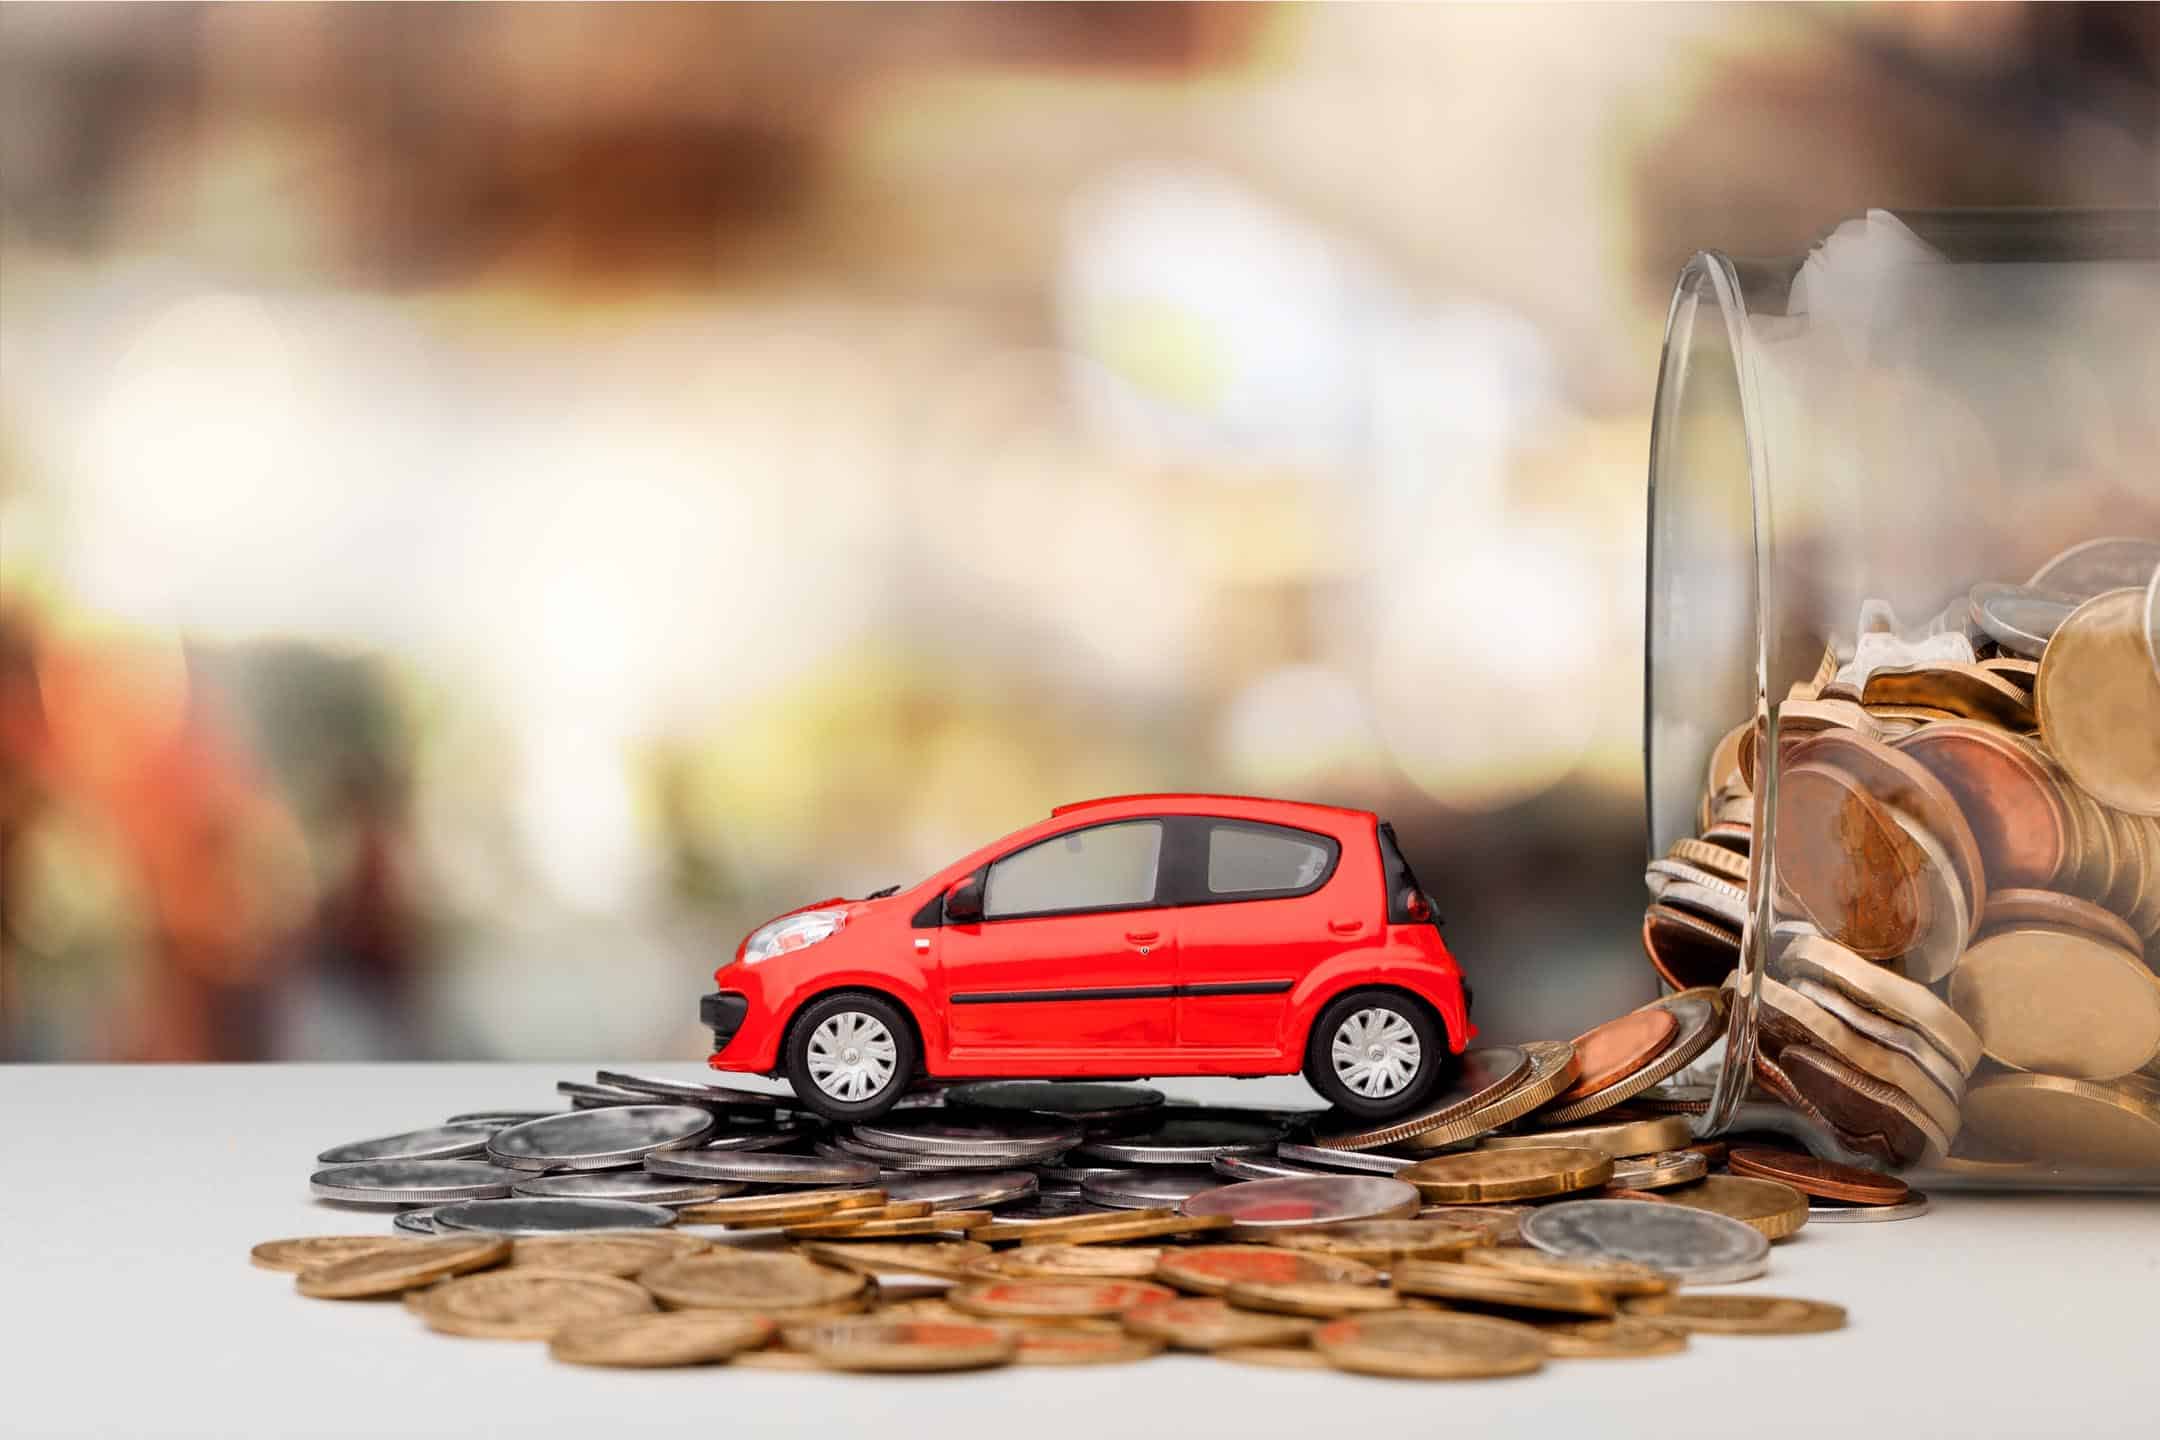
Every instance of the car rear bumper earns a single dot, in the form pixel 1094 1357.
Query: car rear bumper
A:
pixel 723 1013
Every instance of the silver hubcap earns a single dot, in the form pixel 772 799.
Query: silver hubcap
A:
pixel 1376 1053
pixel 852 1055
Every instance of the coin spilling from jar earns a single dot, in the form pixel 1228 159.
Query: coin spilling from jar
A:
pixel 1962 877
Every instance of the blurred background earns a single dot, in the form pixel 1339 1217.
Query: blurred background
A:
pixel 495 502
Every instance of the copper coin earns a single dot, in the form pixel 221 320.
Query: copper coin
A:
pixel 2016 811
pixel 1824 1178
pixel 2007 908
pixel 1843 862
pixel 1686 950
pixel 1905 785
pixel 1872 1117
pixel 1618 1048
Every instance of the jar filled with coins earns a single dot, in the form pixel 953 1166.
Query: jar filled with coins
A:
pixel 1903 749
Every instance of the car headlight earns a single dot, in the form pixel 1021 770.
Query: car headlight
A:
pixel 791 933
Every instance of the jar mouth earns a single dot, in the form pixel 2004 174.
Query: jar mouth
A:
pixel 1708 553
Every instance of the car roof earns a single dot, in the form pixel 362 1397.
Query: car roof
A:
pixel 1248 807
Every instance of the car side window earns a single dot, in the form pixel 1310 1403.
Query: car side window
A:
pixel 1248 859
pixel 1102 867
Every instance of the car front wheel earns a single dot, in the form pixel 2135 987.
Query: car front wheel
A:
pixel 850 1057
pixel 1375 1054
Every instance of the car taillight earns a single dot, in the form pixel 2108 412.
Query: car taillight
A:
pixel 1415 904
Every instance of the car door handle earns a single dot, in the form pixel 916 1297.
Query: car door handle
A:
pixel 1346 927
pixel 1143 937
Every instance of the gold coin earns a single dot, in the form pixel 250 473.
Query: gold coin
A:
pixel 408 1266
pixel 1621 1338
pixel 1740 1314
pixel 2099 702
pixel 750 1280
pixel 1719 861
pixel 1480 1175
pixel 1625 1135
pixel 1070 1345
pixel 1073 1262
pixel 861 1214
pixel 1053 1299
pixel 1463 1283
pixel 791 1208
pixel 878 1344
pixel 943 1222
pixel 681 1337
pixel 1377 1242
pixel 1430 1345
pixel 621 1255
pixel 1277 1357
pixel 1952 688
pixel 946 1259
pixel 775 1357
pixel 525 1303
pixel 1771 1206
pixel 1322 1300
pixel 2059 1002
pixel 1661 1171
pixel 311 1252
pixel 1213 1269
pixel 1599 1272
pixel 1502 1224
pixel 1105 1229
pixel 1553 1067
pixel 1203 1322
pixel 2115 1125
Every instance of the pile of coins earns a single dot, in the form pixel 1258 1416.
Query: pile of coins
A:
pixel 1965 912
pixel 1550 1205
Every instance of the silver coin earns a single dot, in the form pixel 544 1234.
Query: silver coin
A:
pixel 1660 1171
pixel 971 1191
pixel 2118 562
pixel 1048 1206
pixel 598 1139
pixel 499 1119
pixel 2019 618
pixel 1691 1245
pixel 1367 1162
pixel 691 1090
pixel 550 1217
pixel 420 1221
pixel 1072 1177
pixel 934 1132
pixel 586 1096
pixel 1822 1212
pixel 731 1139
pixel 413 1182
pixel 762 1167
pixel 1155 1185
pixel 1084 1101
pixel 641 1186
pixel 1192 1136
pixel 1259 1207
pixel 437 1142
pixel 1262 1167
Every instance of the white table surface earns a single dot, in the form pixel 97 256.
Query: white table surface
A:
pixel 130 1196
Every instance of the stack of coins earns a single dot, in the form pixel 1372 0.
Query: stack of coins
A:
pixel 1965 911
pixel 1549 1207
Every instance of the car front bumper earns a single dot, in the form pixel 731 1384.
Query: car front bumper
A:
pixel 723 1013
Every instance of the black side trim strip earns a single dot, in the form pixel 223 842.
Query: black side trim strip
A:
pixel 1123 992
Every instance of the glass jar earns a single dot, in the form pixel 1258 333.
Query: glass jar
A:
pixel 1903 705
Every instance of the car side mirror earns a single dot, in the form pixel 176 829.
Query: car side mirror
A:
pixel 964 901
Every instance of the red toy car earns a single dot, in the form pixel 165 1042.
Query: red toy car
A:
pixel 1134 936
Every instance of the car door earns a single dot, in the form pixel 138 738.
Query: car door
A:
pixel 1071 968
pixel 1261 907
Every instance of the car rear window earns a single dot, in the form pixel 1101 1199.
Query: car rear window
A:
pixel 1102 867
pixel 1243 859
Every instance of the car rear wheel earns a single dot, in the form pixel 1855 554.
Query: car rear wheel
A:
pixel 850 1057
pixel 1375 1053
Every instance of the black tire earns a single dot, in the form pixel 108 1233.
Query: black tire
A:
pixel 1433 1059
pixel 796 1055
